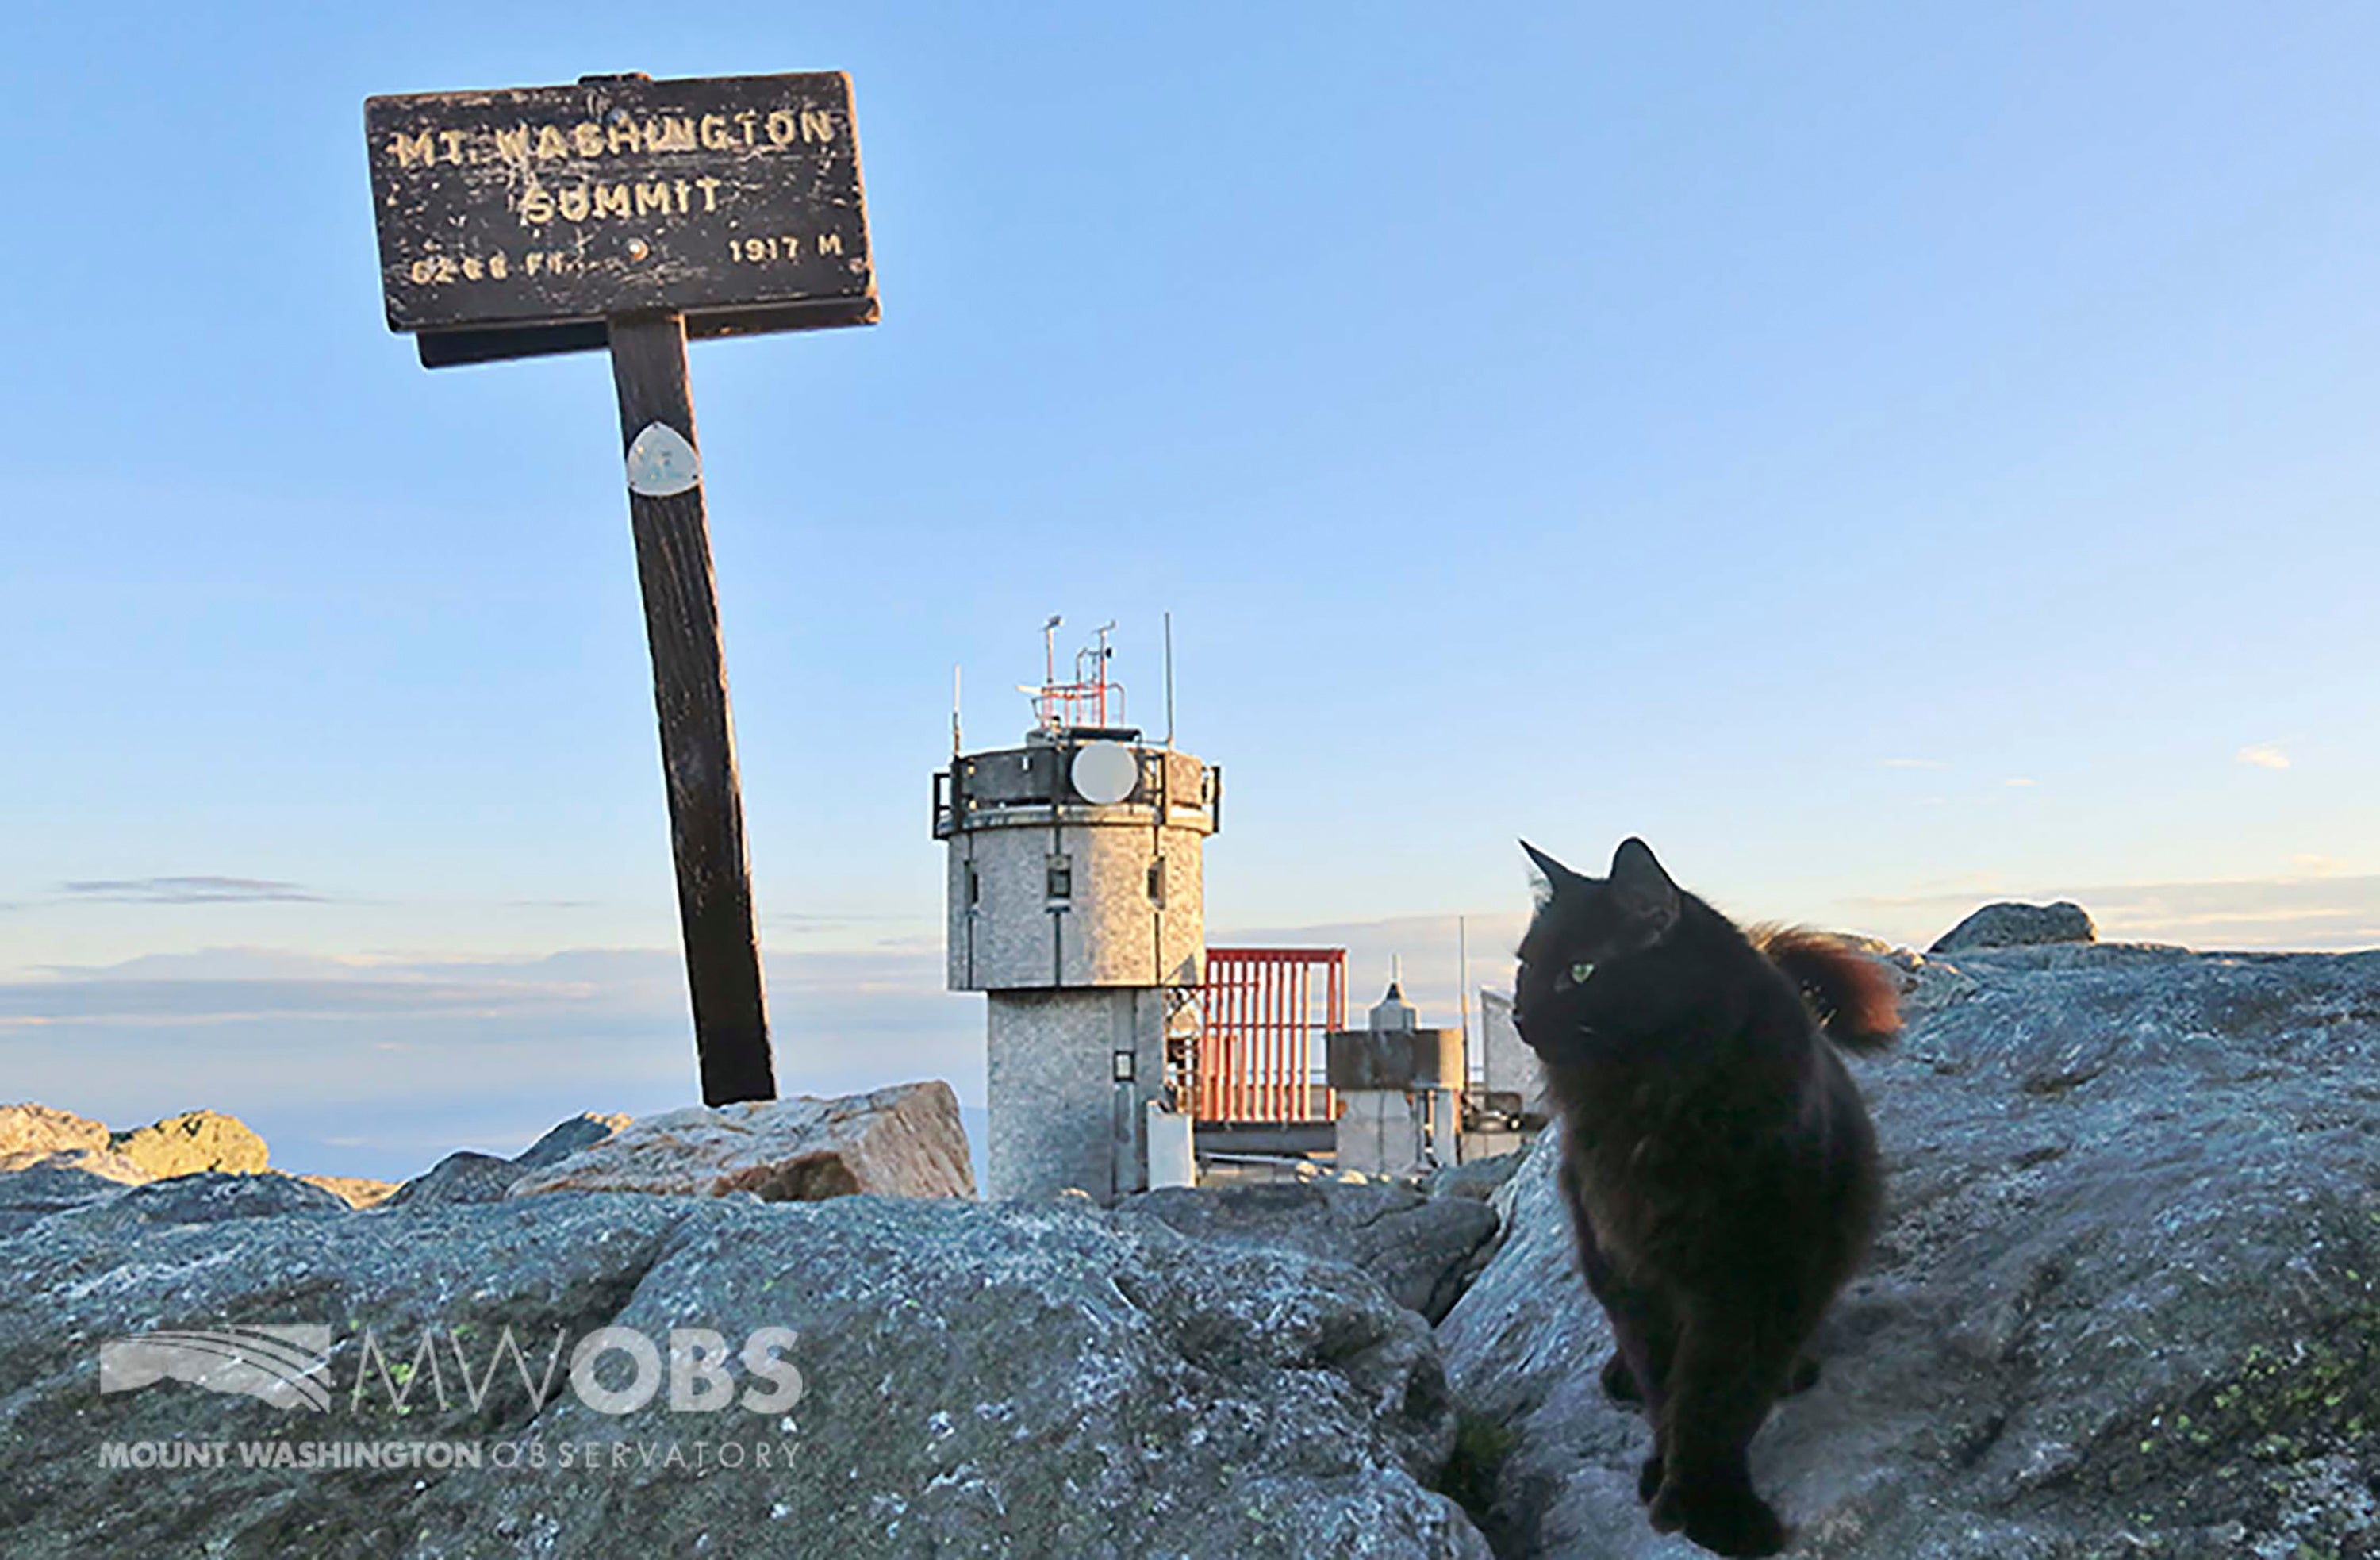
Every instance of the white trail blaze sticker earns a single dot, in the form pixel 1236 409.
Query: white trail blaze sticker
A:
pixel 661 463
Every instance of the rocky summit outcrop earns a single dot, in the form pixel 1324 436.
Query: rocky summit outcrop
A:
pixel 40 1137
pixel 197 1140
pixel 355 1192
pixel 31 1130
pixel 904 1141
pixel 2126 1302
pixel 2009 924
pixel 1420 1248
pixel 578 1132
pixel 468 1176
pixel 462 1177
pixel 945 1378
pixel 103 1163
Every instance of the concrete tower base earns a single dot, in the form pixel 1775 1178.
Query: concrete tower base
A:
pixel 1061 1115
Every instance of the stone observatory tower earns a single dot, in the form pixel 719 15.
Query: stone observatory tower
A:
pixel 1076 905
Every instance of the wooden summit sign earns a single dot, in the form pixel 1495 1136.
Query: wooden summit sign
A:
pixel 514 223
pixel 632 213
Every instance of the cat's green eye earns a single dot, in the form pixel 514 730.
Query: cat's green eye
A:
pixel 1579 972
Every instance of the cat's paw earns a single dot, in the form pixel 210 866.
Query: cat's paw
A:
pixel 1722 1520
pixel 1619 1380
pixel 1648 1478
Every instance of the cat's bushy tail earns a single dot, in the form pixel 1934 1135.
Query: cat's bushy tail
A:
pixel 1855 997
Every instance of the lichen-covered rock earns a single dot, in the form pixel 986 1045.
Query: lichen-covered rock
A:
pixel 211 1196
pixel 1927 984
pixel 1478 1180
pixel 206 1198
pixel 187 1144
pixel 1010 1379
pixel 578 1132
pixel 903 1141
pixel 31 1195
pixel 30 1128
pixel 1418 1247
pixel 2008 925
pixel 461 1176
pixel 2126 1301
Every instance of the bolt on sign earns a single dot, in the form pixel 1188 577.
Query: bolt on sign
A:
pixel 631 213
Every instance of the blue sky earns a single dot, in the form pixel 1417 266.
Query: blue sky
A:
pixel 1886 456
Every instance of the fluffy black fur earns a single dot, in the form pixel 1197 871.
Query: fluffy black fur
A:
pixel 1717 1162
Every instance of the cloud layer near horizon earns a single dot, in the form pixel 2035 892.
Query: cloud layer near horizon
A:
pixel 379 1067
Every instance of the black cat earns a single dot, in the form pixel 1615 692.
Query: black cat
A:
pixel 1718 1164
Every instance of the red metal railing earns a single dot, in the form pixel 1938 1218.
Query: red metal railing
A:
pixel 1257 1051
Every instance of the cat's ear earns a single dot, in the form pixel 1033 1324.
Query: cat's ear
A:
pixel 1558 877
pixel 1641 887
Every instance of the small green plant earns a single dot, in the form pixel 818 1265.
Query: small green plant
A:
pixel 1480 1447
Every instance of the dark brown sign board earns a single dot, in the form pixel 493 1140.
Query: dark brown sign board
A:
pixel 631 214
pixel 516 223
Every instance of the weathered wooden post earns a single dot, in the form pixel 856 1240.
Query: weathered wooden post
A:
pixel 633 213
